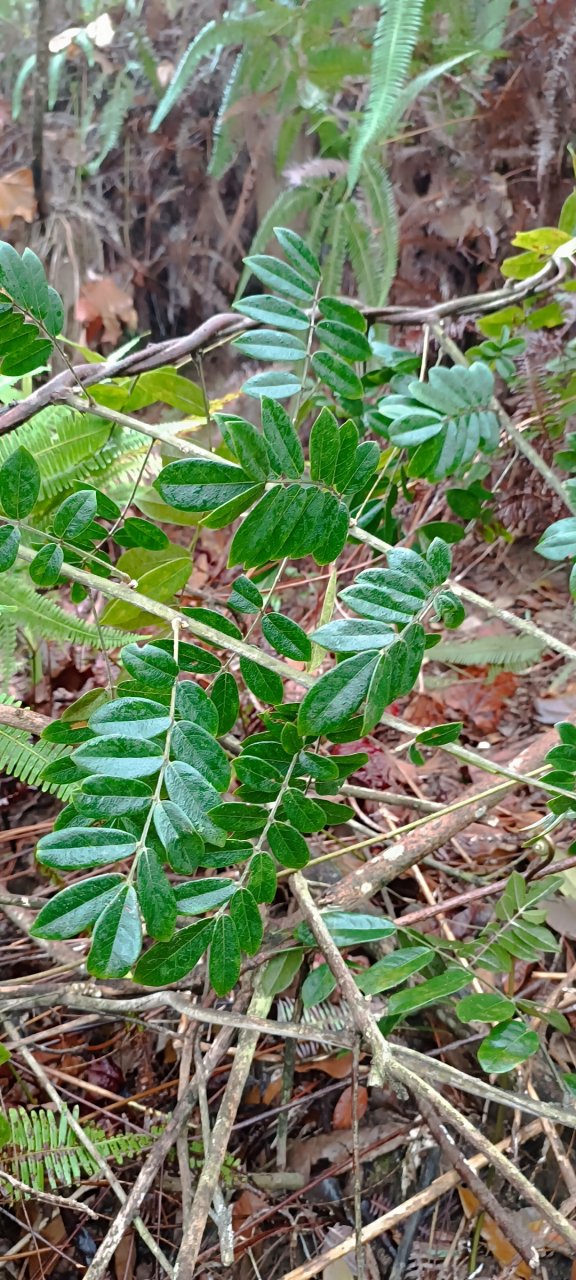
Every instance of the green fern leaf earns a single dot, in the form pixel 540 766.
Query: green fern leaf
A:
pixel 396 35
pixel 231 31
pixel 321 215
pixel 25 760
pixel 112 119
pixel 362 255
pixel 224 149
pixel 8 638
pixel 288 204
pixel 377 191
pixel 334 265
pixel 46 618
pixel 38 1147
pixel 510 653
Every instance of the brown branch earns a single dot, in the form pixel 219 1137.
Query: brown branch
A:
pixel 363 883
pixel 157 1155
pixel 24 718
pixel 214 1158
pixel 508 1224
pixel 40 101
pixel 401 1212
pixel 387 1067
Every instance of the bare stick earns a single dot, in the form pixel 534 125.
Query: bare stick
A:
pixel 92 1150
pixel 401 1212
pixel 222 1212
pixel 155 1159
pixel 385 1066
pixel 49 1197
pixel 214 1159
pixel 502 1217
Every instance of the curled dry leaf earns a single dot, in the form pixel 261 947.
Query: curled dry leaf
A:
pixel 17 197
pixel 342 1118
pixel 125 1257
pixel 104 305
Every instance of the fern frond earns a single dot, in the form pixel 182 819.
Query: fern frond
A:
pixel 288 204
pixel 25 760
pixel 224 146
pixel 377 191
pixel 511 653
pixel 112 118
pixel 231 31
pixel 46 618
pixel 8 638
pixel 41 1146
pixel 319 220
pixel 362 253
pixel 416 86
pixel 334 264
pixel 396 35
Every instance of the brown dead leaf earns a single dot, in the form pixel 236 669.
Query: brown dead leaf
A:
pixel 273 1089
pixel 336 1067
pixel 125 1257
pixel 104 305
pixel 425 710
pixel 253 1097
pixel 245 1207
pixel 342 1118
pixel 17 197
pixel 335 1147
pixel 481 704
pixel 499 1246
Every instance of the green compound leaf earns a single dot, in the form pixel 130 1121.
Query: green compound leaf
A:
pixel 343 340
pixel 226 699
pixel 156 896
pixel 337 375
pixel 280 971
pixel 284 447
pixel 194 746
pixel 193 704
pixel 288 846
pixel 117 937
pixel 241 819
pixel 19 483
pixel 271 344
pixel 262 878
pixel 9 543
pixel 507 1045
pixel 75 514
pixel 334 309
pixel 168 962
pixel 352 635
pixel 188 788
pixel 280 276
pixel 197 484
pixel 324 447
pixel 304 814
pixel 225 956
pixel 245 596
pixel 107 798
pixel 150 666
pixel 75 909
pixel 250 449
pixel 558 541
pixel 441 734
pixel 130 718
pixel 275 385
pixel 317 986
pixel 245 916
pixel 337 694
pixel 286 637
pixel 119 757
pixel 78 847
pixel 349 928
pixel 183 845
pixel 446 984
pixel 485 1007
pixel 266 685
pixel 203 895
pixel 46 565
pixel 391 970
pixel 270 310
pixel 298 253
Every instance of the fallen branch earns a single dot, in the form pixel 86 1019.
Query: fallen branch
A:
pixel 49 1197
pixel 157 1155
pixel 386 1067
pixel 86 1141
pixel 214 1158
pixel 508 1224
pixel 401 1212
pixel 363 883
